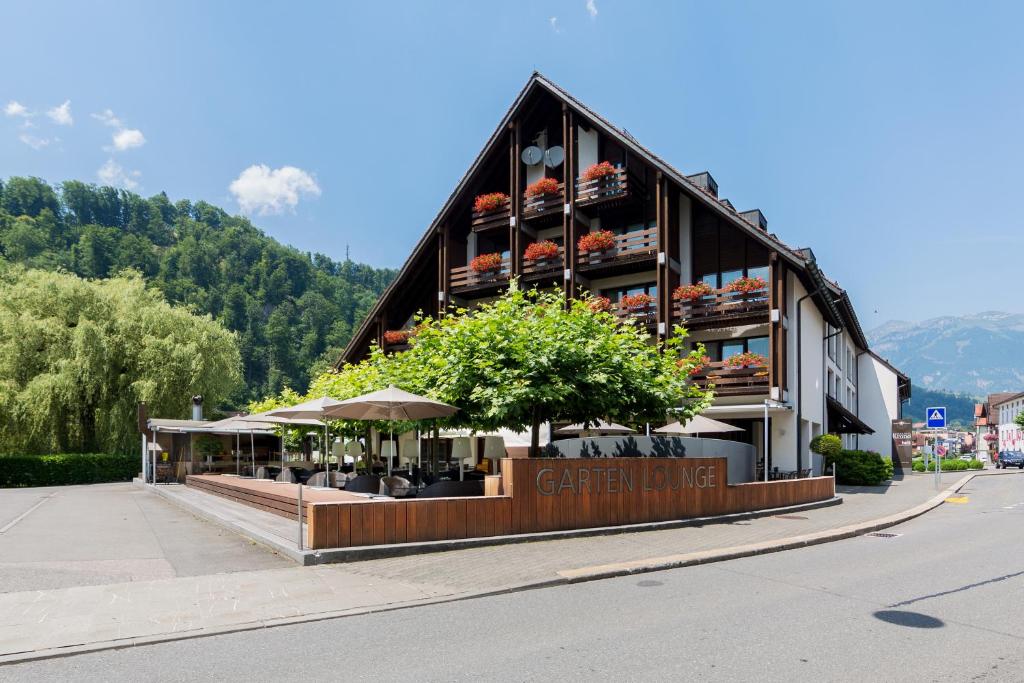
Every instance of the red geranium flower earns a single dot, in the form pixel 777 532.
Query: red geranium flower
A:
pixel 486 263
pixel 634 302
pixel 692 292
pixel 541 187
pixel 599 304
pixel 746 360
pixel 600 170
pixel 490 202
pixel 746 285
pixel 537 251
pixel 600 240
pixel 394 337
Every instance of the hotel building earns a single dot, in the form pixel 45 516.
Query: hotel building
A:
pixel 557 171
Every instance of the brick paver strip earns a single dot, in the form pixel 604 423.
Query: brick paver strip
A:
pixel 38 624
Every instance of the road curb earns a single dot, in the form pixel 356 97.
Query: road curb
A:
pixel 566 577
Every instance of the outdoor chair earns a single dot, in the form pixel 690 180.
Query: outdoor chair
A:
pixel 318 479
pixel 286 476
pixel 364 483
pixel 453 489
pixel 399 487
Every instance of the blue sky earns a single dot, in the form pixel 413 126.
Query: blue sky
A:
pixel 886 136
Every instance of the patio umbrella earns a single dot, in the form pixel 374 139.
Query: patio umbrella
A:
pixel 267 418
pixel 315 409
pixel 698 424
pixel 600 427
pixel 391 405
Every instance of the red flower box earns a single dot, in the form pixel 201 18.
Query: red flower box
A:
pixel 395 337
pixel 542 187
pixel 595 171
pixel 490 202
pixel 598 241
pixel 746 285
pixel 699 367
pixel 746 360
pixel 692 292
pixel 486 263
pixel 540 251
pixel 635 302
pixel 599 304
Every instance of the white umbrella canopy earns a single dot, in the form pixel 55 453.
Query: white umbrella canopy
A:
pixel 315 409
pixel 600 426
pixel 698 424
pixel 391 405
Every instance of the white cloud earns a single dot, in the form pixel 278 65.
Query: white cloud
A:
pixel 111 173
pixel 260 189
pixel 34 142
pixel 107 118
pixel 127 138
pixel 14 108
pixel 61 115
pixel 554 25
pixel 592 9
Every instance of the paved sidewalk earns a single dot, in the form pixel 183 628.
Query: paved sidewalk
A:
pixel 48 622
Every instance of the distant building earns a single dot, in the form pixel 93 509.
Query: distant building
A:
pixel 1006 410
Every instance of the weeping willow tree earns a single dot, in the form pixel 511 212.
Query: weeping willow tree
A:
pixel 77 355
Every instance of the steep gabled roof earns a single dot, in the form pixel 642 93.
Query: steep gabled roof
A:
pixel 796 258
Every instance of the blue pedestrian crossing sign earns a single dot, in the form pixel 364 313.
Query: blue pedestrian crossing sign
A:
pixel 937 418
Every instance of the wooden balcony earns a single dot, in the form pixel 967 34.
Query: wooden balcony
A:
pixel 723 309
pixel 484 221
pixel 608 190
pixel 631 248
pixel 540 269
pixel 733 381
pixel 464 279
pixel 545 205
pixel 646 315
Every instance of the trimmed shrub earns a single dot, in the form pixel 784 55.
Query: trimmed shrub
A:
pixel 918 464
pixel 975 464
pixel 957 465
pixel 860 468
pixel 62 469
pixel 828 445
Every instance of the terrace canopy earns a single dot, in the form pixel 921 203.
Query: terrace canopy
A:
pixel 598 427
pixel 698 424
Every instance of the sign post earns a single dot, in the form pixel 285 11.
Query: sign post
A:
pixel 935 418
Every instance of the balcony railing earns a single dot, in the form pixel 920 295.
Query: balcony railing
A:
pixel 464 277
pixel 541 267
pixel 545 204
pixel 630 246
pixel 723 308
pixel 610 188
pixel 482 221
pixel 645 315
pixel 730 381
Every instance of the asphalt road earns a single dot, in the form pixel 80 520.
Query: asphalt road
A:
pixel 63 536
pixel 943 601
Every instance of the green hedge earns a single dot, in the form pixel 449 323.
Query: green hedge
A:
pixel 860 468
pixel 66 468
pixel 950 465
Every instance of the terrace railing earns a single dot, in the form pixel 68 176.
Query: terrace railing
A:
pixel 545 204
pixel 635 245
pixel 731 381
pixel 723 308
pixel 483 221
pixel 464 277
pixel 544 266
pixel 615 187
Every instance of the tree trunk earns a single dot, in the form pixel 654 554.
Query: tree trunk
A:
pixel 535 434
pixel 435 448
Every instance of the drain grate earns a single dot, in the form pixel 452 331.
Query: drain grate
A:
pixel 882 534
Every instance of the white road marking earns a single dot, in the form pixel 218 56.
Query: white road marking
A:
pixel 26 513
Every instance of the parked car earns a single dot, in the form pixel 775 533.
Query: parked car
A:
pixel 1010 459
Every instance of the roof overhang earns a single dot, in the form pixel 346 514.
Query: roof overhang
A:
pixel 842 421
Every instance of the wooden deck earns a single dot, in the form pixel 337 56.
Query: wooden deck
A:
pixel 281 499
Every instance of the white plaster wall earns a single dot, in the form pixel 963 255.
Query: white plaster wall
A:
pixel 685 239
pixel 586 143
pixel 879 404
pixel 812 355
pixel 536 172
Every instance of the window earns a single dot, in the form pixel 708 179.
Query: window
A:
pixel 615 294
pixel 726 348
pixel 722 253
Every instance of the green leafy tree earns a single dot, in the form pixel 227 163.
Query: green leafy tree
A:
pixel 827 445
pixel 1019 420
pixel 77 355
pixel 527 358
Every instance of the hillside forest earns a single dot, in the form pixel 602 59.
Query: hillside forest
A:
pixel 293 312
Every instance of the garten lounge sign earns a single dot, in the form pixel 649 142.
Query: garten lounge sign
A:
pixel 655 474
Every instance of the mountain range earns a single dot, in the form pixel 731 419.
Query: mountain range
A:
pixel 974 354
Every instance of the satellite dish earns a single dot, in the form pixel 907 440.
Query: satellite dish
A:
pixel 532 155
pixel 554 157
